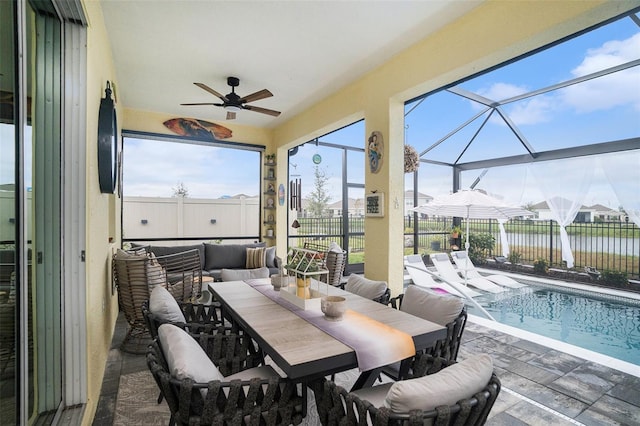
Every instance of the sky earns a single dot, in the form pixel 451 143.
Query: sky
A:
pixel 599 110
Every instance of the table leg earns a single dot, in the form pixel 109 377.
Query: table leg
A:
pixel 367 379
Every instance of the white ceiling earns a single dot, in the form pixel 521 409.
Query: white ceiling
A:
pixel 301 51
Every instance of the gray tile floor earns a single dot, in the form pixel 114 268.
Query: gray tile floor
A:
pixel 541 386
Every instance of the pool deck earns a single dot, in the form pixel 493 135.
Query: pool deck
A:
pixel 541 385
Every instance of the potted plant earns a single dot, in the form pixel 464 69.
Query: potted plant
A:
pixel 456 232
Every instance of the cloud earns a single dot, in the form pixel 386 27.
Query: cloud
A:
pixel 610 91
pixel 539 109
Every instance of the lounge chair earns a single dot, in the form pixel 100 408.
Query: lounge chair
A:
pixel 447 272
pixel 423 278
pixel 463 262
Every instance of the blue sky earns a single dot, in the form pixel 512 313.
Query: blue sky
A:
pixel 595 111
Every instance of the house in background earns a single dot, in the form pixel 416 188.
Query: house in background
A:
pixel 543 212
pixel 606 214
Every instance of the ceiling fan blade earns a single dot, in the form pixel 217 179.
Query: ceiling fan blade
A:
pixel 201 103
pixel 231 115
pixel 261 110
pixel 210 90
pixel 261 94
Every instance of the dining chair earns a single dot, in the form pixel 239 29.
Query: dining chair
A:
pixel 335 259
pixel 446 310
pixel 440 392
pixel 377 291
pixel 163 308
pixel 205 392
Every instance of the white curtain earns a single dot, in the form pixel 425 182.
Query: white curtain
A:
pixel 508 184
pixel 504 241
pixel 623 173
pixel 564 184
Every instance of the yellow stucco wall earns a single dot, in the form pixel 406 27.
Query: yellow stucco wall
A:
pixel 492 33
pixel 102 215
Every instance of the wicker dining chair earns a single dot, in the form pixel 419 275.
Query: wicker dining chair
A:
pixel 256 400
pixel 334 261
pixel 448 311
pixel 136 273
pixel 337 406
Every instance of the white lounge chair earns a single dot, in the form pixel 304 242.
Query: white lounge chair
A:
pixel 447 271
pixel 463 262
pixel 423 278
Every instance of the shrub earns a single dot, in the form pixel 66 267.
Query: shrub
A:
pixel 514 257
pixel 479 247
pixel 615 278
pixel 541 266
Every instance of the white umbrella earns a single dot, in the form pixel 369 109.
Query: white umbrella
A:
pixel 470 204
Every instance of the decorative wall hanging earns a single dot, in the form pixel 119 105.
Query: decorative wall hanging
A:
pixel 281 194
pixel 411 159
pixel 375 151
pixel 107 143
pixel 374 205
pixel 195 128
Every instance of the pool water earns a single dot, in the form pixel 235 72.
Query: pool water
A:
pixel 610 326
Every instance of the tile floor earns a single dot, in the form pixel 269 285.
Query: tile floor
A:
pixel 541 386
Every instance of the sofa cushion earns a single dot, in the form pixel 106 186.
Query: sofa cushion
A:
pixel 165 250
pixel 185 358
pixel 438 308
pixel 156 274
pixel 256 257
pixel 365 287
pixel 243 274
pixel 230 256
pixel 446 387
pixel 164 306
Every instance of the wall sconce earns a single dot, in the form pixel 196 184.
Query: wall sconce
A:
pixel 295 224
pixel 144 221
pixel 12 220
pixel 213 221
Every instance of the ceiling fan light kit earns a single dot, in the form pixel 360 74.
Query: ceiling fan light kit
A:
pixel 233 103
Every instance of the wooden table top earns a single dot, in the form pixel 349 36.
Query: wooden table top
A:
pixel 301 349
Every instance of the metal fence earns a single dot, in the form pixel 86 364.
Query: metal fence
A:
pixel 611 246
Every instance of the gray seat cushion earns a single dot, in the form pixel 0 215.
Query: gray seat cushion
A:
pixel 243 274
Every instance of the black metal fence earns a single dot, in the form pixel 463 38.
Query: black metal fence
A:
pixel 611 246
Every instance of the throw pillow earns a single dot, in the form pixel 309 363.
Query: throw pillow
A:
pixel 438 308
pixel 243 274
pixel 156 274
pixel 365 287
pixel 446 387
pixel 163 305
pixel 185 358
pixel 255 257
pixel 270 257
pixel 334 247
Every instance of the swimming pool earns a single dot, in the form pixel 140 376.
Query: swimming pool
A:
pixel 602 323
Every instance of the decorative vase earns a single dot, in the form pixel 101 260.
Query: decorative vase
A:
pixel 303 291
pixel 333 307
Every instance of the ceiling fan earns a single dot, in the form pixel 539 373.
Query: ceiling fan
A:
pixel 233 103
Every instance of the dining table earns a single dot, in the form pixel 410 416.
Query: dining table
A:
pixel 305 345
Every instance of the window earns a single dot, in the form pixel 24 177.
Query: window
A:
pixel 177 189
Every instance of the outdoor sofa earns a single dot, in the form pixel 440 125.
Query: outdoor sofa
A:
pixel 216 257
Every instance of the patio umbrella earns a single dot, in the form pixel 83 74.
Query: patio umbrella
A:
pixel 470 204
